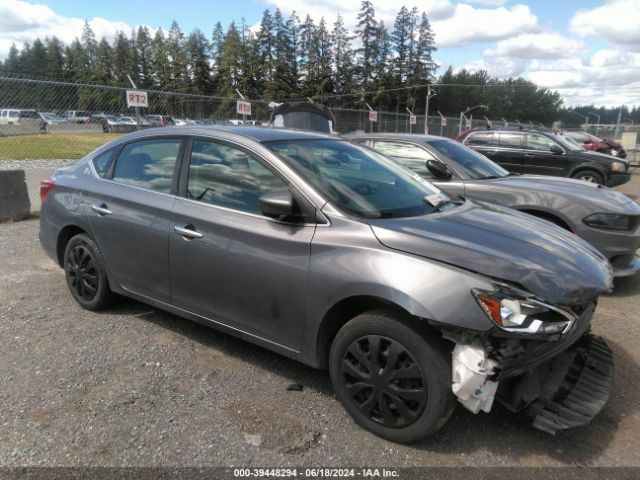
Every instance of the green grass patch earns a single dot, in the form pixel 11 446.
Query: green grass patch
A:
pixel 52 145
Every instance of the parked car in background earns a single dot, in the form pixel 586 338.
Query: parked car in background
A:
pixel 76 116
pixel 51 118
pixel 608 220
pixel 544 153
pixel 21 117
pixel 179 122
pixel 159 120
pixel 113 123
pixel 596 144
pixel 331 254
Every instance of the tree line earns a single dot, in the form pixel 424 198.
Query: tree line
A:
pixel 287 57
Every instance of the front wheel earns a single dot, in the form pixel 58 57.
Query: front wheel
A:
pixel 85 273
pixel 393 380
pixel 589 176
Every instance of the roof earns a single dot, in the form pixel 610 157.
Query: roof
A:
pixel 409 137
pixel 260 134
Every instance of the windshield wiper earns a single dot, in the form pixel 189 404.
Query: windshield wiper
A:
pixel 490 177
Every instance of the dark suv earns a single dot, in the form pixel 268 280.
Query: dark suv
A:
pixel 544 153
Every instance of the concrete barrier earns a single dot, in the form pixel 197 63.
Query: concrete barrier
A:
pixel 14 198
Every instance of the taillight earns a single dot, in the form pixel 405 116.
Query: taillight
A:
pixel 45 187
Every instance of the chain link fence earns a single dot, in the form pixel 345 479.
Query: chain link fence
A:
pixel 42 119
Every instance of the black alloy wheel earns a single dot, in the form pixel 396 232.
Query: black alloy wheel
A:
pixel 384 381
pixel 83 276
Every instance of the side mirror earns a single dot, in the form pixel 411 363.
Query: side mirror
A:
pixel 556 149
pixel 276 204
pixel 438 169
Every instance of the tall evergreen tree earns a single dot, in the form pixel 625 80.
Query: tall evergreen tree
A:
pixel 144 54
pixel 199 63
pixel 342 57
pixel 55 59
pixel 366 29
pixel 230 70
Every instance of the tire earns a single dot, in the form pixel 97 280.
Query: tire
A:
pixel 590 176
pixel 83 258
pixel 422 371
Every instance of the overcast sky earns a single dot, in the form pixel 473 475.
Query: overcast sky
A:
pixel 589 50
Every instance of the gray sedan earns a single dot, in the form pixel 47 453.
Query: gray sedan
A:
pixel 607 219
pixel 331 254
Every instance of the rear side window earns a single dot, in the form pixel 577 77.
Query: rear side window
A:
pixel 479 138
pixel 228 177
pixel 28 115
pixel 148 164
pixel 538 142
pixel 408 155
pixel 101 162
pixel 510 140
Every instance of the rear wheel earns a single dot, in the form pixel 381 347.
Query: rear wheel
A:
pixel 589 176
pixel 392 379
pixel 85 273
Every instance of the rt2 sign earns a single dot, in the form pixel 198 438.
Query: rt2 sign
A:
pixel 373 116
pixel 136 98
pixel 243 108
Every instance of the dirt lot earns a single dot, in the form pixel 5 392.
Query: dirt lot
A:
pixel 134 386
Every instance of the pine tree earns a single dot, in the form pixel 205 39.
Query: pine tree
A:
pixel 342 57
pixel 266 44
pixel 424 66
pixel 178 80
pixel 12 63
pixel 230 68
pixel 159 65
pixel 367 31
pixel 55 59
pixel 122 60
pixel 198 62
pixel 144 53
pixel 90 46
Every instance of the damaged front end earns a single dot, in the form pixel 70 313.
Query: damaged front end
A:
pixel 540 359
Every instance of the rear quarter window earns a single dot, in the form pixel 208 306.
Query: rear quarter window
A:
pixel 479 138
pixel 102 162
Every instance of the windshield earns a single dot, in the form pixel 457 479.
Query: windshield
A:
pixel 567 143
pixel 468 162
pixel 358 180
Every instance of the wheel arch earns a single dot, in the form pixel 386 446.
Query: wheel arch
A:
pixel 66 234
pixel 595 168
pixel 551 216
pixel 343 311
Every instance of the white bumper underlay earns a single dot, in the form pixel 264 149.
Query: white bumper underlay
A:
pixel 470 370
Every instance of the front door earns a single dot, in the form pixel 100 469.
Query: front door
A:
pixel 539 159
pixel 229 263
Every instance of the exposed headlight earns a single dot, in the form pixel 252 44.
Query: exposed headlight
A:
pixel 611 221
pixel 617 166
pixel 526 316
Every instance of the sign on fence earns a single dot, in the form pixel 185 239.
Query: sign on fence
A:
pixel 243 108
pixel 413 120
pixel 443 121
pixel 373 116
pixel 137 98
pixel 467 123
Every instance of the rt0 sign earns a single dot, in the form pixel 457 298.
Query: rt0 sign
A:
pixel 243 108
pixel 136 98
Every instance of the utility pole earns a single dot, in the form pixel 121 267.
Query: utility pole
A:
pixel 615 136
pixel 426 109
pixel 137 108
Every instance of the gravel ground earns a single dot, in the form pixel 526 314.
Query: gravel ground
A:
pixel 33 164
pixel 134 386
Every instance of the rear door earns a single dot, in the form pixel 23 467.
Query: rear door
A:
pixel 130 212
pixel 539 159
pixel 229 263
pixel 506 151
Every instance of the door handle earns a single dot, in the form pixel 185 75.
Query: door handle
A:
pixel 187 231
pixel 101 209
pixel 528 155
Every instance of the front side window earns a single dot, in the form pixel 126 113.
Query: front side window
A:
pixel 358 180
pixel 148 164
pixel 469 163
pixel 510 140
pixel 538 142
pixel 228 177
pixel 408 155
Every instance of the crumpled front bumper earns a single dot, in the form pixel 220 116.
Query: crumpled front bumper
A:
pixel 575 398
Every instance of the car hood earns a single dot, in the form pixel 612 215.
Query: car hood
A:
pixel 597 156
pixel 591 193
pixel 504 244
